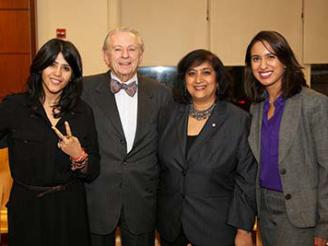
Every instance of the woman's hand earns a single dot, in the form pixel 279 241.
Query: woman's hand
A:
pixel 243 238
pixel 69 144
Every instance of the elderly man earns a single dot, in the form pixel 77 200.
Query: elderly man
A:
pixel 125 107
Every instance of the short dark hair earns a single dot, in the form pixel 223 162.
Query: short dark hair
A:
pixel 44 58
pixel 195 58
pixel 293 77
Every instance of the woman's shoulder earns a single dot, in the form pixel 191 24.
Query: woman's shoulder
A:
pixel 169 112
pixel 235 110
pixel 16 98
pixel 308 92
pixel 311 97
pixel 83 107
pixel 172 107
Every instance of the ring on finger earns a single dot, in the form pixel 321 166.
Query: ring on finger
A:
pixel 58 145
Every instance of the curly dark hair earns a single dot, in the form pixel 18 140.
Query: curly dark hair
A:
pixel 293 77
pixel 195 58
pixel 44 58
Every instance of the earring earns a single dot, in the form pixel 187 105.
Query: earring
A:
pixel 217 89
pixel 185 89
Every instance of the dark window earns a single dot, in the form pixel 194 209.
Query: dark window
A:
pixel 167 75
pixel 319 78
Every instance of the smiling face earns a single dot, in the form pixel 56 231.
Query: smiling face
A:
pixel 266 67
pixel 201 84
pixel 56 76
pixel 123 55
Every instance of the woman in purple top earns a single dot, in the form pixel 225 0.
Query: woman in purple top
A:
pixel 289 138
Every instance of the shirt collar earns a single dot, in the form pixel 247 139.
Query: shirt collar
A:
pixel 134 78
pixel 278 102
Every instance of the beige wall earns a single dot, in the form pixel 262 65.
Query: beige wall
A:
pixel 172 28
pixel 234 23
pixel 86 23
pixel 315 31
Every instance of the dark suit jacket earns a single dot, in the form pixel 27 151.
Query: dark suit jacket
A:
pixel 126 180
pixel 211 190
pixel 303 158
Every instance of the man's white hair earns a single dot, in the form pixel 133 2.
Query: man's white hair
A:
pixel 123 29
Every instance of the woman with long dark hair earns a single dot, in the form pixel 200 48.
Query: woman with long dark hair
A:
pixel 289 138
pixel 53 150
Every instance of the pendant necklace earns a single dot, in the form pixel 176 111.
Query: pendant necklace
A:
pixel 200 115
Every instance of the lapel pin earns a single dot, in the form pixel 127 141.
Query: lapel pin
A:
pixel 213 125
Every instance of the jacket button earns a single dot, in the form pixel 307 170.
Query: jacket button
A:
pixel 288 196
pixel 283 171
pixel 125 163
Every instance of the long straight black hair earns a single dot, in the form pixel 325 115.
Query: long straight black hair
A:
pixel 45 57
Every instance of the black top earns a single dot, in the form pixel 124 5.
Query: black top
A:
pixel 190 140
pixel 59 218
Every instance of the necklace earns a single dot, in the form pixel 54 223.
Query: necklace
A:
pixel 200 115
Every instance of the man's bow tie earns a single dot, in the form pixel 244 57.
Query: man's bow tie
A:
pixel 130 88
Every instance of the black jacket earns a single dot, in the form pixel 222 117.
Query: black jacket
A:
pixel 36 160
pixel 211 189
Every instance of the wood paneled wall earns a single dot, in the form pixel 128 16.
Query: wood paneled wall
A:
pixel 17 47
pixel 17 43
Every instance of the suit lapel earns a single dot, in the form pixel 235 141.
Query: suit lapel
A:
pixel 255 133
pixel 289 124
pixel 145 110
pixel 181 129
pixel 106 102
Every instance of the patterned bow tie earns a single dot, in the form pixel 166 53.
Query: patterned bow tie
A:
pixel 130 89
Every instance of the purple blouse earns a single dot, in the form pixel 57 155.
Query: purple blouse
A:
pixel 269 167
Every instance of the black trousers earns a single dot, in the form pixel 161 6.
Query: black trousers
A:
pixel 127 237
pixel 181 240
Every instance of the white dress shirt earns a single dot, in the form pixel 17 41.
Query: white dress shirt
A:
pixel 128 110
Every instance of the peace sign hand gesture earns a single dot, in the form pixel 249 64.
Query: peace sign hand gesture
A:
pixel 69 144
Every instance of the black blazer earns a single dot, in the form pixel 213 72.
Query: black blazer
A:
pixel 211 189
pixel 125 180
